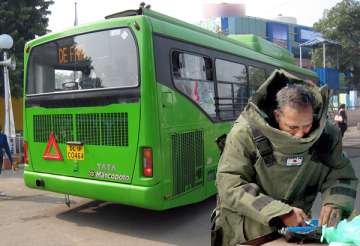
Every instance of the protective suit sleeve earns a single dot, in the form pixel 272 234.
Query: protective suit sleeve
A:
pixel 339 187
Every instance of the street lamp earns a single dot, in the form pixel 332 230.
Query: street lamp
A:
pixel 6 42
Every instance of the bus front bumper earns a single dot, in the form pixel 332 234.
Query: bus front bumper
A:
pixel 139 196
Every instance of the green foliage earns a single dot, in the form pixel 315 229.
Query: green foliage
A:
pixel 342 24
pixel 23 20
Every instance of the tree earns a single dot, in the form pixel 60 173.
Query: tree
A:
pixel 23 20
pixel 342 24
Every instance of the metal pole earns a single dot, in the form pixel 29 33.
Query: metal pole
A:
pixel 76 15
pixel 324 61
pixel 6 98
pixel 324 56
pixel 337 57
pixel 300 57
pixel 9 128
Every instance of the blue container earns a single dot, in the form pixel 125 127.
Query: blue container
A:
pixel 310 227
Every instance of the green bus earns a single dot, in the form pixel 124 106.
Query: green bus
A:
pixel 128 109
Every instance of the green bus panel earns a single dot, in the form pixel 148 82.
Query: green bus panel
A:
pixel 113 134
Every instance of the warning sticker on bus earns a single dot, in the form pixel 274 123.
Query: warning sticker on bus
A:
pixel 75 151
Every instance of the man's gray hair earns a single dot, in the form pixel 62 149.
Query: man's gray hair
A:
pixel 297 96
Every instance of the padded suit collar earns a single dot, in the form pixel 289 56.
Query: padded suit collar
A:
pixel 259 113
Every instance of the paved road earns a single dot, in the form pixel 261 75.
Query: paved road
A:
pixel 33 217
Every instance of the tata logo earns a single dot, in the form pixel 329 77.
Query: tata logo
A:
pixel 105 167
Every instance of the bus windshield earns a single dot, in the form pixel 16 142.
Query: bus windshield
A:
pixel 91 61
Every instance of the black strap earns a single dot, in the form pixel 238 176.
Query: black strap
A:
pixel 264 146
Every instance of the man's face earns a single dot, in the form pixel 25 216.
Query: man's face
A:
pixel 294 121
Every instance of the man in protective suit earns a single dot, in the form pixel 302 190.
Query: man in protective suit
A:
pixel 279 154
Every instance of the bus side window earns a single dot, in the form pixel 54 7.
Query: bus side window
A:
pixel 257 76
pixel 232 88
pixel 176 65
pixel 192 76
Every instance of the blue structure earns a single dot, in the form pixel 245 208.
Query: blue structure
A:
pixel 286 35
pixel 329 76
pixel 278 33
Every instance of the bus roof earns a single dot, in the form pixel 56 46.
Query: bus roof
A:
pixel 259 50
pixel 177 29
pixel 265 47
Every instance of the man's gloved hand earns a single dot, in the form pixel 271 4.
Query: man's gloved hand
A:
pixel 330 215
pixel 296 217
pixel 298 227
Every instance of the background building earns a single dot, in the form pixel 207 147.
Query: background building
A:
pixel 282 30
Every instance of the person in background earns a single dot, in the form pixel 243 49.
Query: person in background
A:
pixel 280 153
pixel 341 119
pixel 4 145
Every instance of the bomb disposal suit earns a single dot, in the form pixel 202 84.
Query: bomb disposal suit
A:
pixel 264 172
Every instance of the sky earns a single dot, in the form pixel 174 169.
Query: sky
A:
pixel 307 12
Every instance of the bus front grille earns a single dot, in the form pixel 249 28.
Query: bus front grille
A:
pixel 109 129
pixel 188 161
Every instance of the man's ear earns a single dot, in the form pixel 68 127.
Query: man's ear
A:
pixel 277 115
